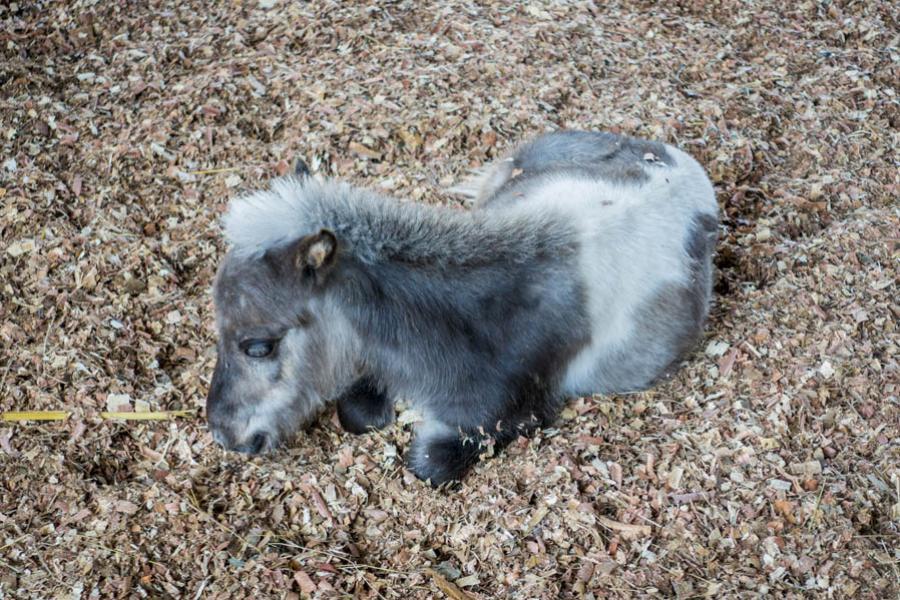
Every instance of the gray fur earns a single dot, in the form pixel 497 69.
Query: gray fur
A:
pixel 583 154
pixel 476 317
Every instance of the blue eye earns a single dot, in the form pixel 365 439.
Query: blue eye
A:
pixel 258 348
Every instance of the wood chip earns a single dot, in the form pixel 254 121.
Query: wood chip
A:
pixel 450 589
pixel 767 461
pixel 627 530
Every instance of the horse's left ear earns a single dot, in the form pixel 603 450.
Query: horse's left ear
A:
pixel 300 169
pixel 317 252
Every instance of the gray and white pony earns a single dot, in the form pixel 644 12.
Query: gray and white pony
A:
pixel 586 267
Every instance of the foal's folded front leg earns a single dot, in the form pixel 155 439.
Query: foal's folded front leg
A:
pixel 441 453
pixel 363 407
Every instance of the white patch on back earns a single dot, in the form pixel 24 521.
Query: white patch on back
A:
pixel 632 244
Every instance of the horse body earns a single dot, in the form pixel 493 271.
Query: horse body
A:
pixel 586 267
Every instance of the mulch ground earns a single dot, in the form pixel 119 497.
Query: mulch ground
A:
pixel 769 465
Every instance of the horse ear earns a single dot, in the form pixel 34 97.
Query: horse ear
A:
pixel 317 252
pixel 301 171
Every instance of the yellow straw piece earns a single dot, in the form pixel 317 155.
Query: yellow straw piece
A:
pixel 213 171
pixel 147 416
pixel 36 415
pixel 62 415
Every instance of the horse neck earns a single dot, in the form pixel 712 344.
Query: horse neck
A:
pixel 413 280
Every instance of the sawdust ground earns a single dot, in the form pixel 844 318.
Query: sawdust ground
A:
pixel 769 464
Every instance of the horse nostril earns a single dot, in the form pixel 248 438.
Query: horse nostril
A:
pixel 255 445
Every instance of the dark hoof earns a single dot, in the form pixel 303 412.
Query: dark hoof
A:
pixel 443 461
pixel 363 407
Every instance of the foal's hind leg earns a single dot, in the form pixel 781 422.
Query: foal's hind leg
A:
pixel 363 407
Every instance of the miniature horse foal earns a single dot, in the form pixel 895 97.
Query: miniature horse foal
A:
pixel 586 267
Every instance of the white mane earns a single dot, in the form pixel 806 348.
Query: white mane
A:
pixel 265 218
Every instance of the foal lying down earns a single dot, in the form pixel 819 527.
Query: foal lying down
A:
pixel 586 267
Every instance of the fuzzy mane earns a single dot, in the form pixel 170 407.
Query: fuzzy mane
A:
pixel 267 218
pixel 377 228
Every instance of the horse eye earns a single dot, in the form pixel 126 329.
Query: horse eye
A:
pixel 258 348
